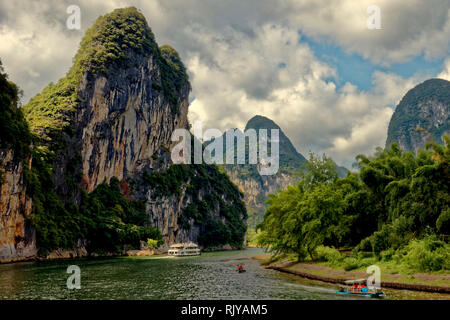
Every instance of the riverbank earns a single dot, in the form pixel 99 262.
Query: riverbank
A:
pixel 437 283
pixel 82 253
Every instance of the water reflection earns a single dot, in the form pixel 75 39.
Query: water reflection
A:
pixel 211 276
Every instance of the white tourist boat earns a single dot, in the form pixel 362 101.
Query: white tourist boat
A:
pixel 184 250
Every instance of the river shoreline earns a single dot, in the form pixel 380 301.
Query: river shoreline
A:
pixel 327 274
pixel 77 254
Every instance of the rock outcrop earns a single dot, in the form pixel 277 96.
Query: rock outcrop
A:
pixel 257 187
pixel 421 116
pixel 112 116
pixel 256 191
pixel 17 238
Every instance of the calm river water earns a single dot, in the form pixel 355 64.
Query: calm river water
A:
pixel 210 276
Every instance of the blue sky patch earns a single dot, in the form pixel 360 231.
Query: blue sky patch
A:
pixel 357 70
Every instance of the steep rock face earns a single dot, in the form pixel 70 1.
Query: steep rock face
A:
pixel 124 121
pixel 422 115
pixel 257 187
pixel 121 122
pixel 195 203
pixel 113 116
pixel 256 191
pixel 165 213
pixel 17 239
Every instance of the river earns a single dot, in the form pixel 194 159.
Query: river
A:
pixel 210 276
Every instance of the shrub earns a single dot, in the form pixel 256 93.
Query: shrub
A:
pixel 324 253
pixel 152 243
pixel 364 245
pixel 351 264
pixel 387 255
pixel 427 255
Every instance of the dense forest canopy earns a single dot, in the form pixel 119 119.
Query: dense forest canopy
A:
pixel 14 132
pixel 397 200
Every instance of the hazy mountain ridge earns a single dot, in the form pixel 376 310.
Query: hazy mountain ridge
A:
pixel 254 186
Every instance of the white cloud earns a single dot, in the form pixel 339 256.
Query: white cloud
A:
pixel 246 58
pixel 445 74
pixel 300 96
pixel 408 28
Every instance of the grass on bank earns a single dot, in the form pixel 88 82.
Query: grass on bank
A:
pixel 428 255
pixel 425 261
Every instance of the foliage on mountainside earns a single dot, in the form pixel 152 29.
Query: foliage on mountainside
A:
pixel 107 44
pixel 396 201
pixel 105 218
pixel 220 194
pixel 422 114
pixel 290 160
pixel 14 132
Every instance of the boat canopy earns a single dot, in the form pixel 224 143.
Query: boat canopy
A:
pixel 182 245
pixel 355 281
pixel 177 245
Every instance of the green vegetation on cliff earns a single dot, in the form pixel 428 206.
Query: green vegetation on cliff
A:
pixel 221 194
pixel 109 43
pixel 397 207
pixel 14 132
pixel 173 75
pixel 105 218
pixel 422 115
pixel 290 160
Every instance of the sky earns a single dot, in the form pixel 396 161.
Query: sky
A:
pixel 314 67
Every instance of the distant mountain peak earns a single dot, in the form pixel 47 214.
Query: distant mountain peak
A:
pixel 421 115
pixel 261 122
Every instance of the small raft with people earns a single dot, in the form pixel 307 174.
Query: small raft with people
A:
pixel 359 287
pixel 240 269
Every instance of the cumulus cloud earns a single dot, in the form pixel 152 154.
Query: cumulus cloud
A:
pixel 302 97
pixel 248 57
pixel 445 74
pixel 408 28
pixel 35 48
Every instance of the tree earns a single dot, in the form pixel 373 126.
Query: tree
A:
pixel 306 215
pixel 152 244
pixel 395 198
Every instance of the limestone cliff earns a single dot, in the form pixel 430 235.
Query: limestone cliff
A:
pixel 256 187
pixel 112 116
pixel 17 239
pixel 256 191
pixel 422 115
